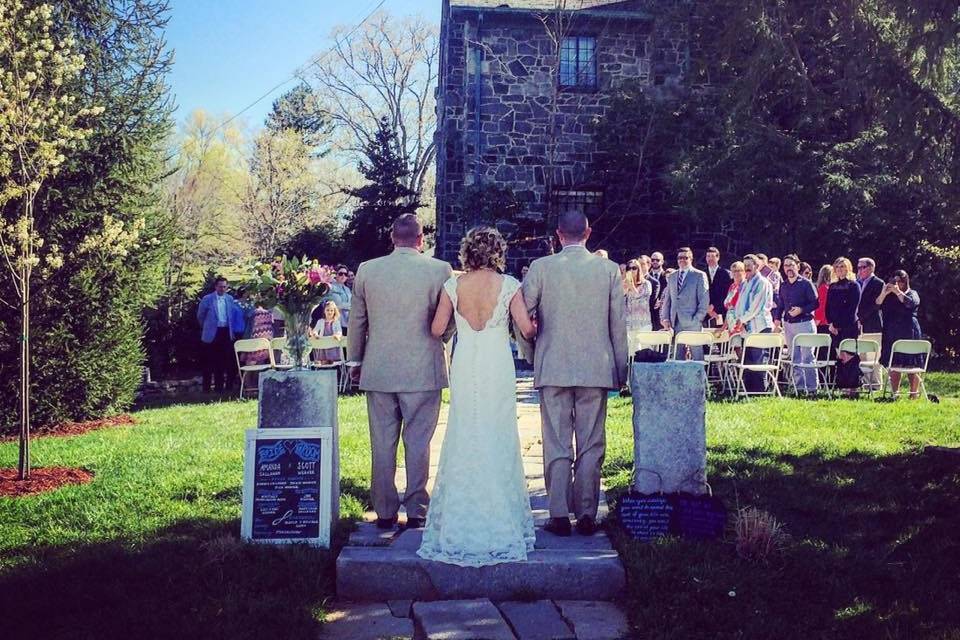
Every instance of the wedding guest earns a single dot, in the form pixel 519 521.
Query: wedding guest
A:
pixel 806 271
pixel 899 304
pixel 824 280
pixel 868 312
pixel 686 299
pixel 217 337
pixel 798 301
pixel 340 294
pixel 261 326
pixel 523 271
pixel 733 294
pixel 637 291
pixel 654 281
pixel 843 298
pixel 754 315
pixel 602 253
pixel 658 271
pixel 329 325
pixel 768 272
pixel 350 277
pixel 719 280
pixel 775 267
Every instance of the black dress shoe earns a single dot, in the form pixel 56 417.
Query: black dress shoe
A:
pixel 586 526
pixel 386 523
pixel 558 526
pixel 414 523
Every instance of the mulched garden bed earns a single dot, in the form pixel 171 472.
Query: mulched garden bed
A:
pixel 41 480
pixel 74 428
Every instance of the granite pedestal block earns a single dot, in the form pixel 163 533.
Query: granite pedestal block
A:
pixel 303 399
pixel 669 427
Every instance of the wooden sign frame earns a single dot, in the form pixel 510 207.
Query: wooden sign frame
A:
pixel 324 483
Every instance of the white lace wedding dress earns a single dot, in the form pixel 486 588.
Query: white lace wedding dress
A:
pixel 480 511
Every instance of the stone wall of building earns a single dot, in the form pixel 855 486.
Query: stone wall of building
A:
pixel 498 89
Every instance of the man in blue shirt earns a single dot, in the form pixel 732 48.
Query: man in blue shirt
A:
pixel 798 301
pixel 217 336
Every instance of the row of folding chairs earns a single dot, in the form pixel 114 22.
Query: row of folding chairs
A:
pixel 725 367
pixel 276 346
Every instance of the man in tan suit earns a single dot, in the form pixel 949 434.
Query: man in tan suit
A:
pixel 580 352
pixel 403 367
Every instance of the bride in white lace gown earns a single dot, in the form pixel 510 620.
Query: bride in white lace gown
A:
pixel 480 512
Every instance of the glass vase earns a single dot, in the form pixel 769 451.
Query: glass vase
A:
pixel 297 326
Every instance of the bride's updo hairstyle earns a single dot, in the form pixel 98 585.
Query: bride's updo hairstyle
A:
pixel 483 247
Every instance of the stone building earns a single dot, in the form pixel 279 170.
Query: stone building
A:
pixel 500 80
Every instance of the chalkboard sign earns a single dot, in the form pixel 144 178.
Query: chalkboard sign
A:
pixel 649 516
pixel 286 489
pixel 287 480
pixel 645 517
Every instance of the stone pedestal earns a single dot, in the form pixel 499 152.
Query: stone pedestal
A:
pixel 303 399
pixel 669 427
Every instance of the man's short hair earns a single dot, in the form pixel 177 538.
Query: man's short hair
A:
pixel 406 229
pixel 759 256
pixel 685 250
pixel 792 256
pixel 868 261
pixel 751 257
pixel 713 250
pixel 573 225
pixel 218 280
pixel 655 254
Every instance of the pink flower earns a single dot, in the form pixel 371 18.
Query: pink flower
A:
pixel 315 276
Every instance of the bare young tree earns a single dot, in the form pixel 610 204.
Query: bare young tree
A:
pixel 388 68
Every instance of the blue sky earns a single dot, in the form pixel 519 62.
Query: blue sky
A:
pixel 228 54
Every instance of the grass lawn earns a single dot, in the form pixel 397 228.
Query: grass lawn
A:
pixel 150 548
pixel 874 524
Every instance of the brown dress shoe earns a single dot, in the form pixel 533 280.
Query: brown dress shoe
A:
pixel 586 526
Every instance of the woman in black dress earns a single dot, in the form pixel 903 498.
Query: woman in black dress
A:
pixel 843 297
pixel 899 304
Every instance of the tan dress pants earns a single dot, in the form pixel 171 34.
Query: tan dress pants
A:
pixel 412 415
pixel 571 414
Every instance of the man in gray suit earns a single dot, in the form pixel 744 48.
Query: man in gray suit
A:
pixel 580 353
pixel 687 298
pixel 403 367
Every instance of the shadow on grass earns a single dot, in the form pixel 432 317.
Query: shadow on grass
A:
pixel 193 398
pixel 192 580
pixel 875 553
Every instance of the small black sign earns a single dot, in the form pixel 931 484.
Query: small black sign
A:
pixel 650 516
pixel 286 487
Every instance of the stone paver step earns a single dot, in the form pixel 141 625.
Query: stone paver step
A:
pixel 540 620
pixel 387 573
pixel 460 620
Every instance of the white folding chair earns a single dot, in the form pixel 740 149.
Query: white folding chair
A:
pixel 345 383
pixel 252 345
pixel 659 340
pixel 786 362
pixel 818 342
pixel 686 339
pixel 873 356
pixel 328 342
pixel 720 359
pixel 910 348
pixel 278 347
pixel 772 342
pixel 869 352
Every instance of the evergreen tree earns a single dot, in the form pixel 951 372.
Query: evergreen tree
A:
pixel 299 110
pixel 382 200
pixel 86 327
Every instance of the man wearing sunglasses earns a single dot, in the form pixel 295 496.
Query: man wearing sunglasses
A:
pixel 686 299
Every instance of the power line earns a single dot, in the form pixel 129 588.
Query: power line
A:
pixel 296 74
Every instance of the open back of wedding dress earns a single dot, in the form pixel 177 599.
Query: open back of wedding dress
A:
pixel 480 511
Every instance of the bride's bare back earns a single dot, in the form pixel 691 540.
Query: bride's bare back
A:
pixel 477 295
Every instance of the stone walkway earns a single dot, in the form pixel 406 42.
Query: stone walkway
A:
pixel 387 591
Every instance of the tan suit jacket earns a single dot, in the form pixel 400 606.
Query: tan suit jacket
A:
pixel 578 301
pixel 394 301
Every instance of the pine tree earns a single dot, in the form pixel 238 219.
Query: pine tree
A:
pixel 384 198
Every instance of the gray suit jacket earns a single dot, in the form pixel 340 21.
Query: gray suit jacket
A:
pixel 577 298
pixel 394 301
pixel 688 306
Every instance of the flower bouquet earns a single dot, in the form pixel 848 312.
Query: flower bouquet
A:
pixel 295 286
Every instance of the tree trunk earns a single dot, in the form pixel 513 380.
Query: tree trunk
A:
pixel 23 466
